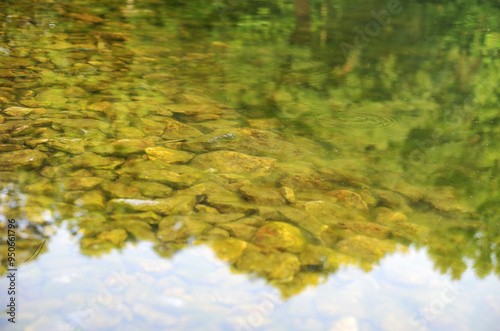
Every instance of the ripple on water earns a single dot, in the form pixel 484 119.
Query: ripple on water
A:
pixel 357 120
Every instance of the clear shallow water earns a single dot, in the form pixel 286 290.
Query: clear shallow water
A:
pixel 113 119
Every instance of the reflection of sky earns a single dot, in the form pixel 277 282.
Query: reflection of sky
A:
pixel 136 289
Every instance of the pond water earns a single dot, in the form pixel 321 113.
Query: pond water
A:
pixel 244 165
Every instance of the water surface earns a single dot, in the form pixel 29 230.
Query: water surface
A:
pixel 251 166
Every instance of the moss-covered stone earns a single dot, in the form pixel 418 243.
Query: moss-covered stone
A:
pixel 9 148
pixel 228 249
pixel 35 142
pixel 127 132
pixel 254 220
pixel 334 260
pixel 366 248
pixel 81 183
pixel 22 111
pixel 224 200
pixel 22 130
pixel 178 205
pixel 54 96
pixel 216 233
pixel 301 177
pixel 168 155
pixel 272 265
pixel 42 186
pixel 9 176
pixel 170 178
pixel 89 160
pixel 279 235
pixel 369 197
pixel 123 147
pixel 93 200
pixel 204 209
pixel 80 173
pixel 195 99
pixel 210 126
pixel 116 236
pixel 245 140
pixel 104 106
pixel 212 218
pixel 303 220
pixel 71 196
pixel 131 146
pixel 176 130
pixel 73 146
pixel 81 123
pixel 205 117
pixel 139 229
pixel 152 189
pixel 331 213
pixel 324 257
pixel 75 92
pixel 147 217
pixel 234 162
pixel 151 128
pixel 180 228
pixel 117 190
pixel 350 200
pixel 239 230
pixel 225 206
pixel 288 194
pixel 29 159
pixel 137 164
pixel 262 195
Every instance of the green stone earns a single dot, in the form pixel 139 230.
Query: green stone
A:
pixel 116 236
pixel 81 183
pixel 168 155
pixel 117 190
pixel 73 146
pixel 370 249
pixel 262 195
pixel 152 189
pixel 93 200
pixel 28 158
pixel 180 228
pixel 228 249
pixel 89 160
pixel 279 235
pixel 234 162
